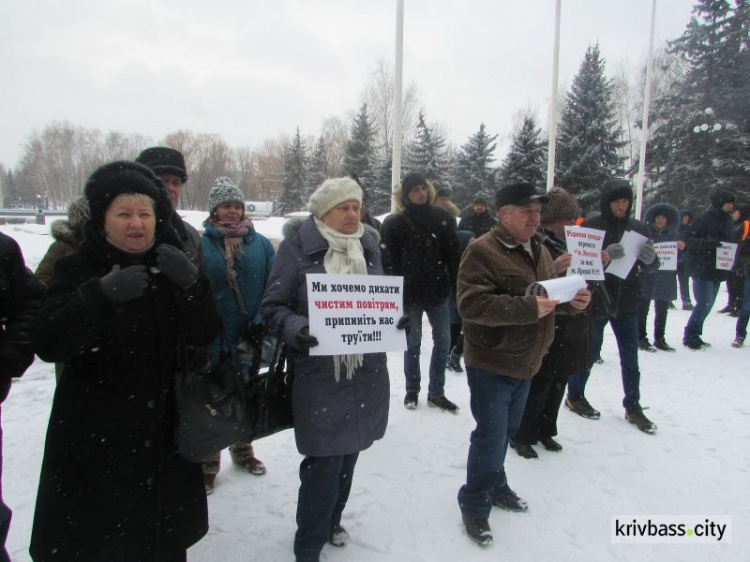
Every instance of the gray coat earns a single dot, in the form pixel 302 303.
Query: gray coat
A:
pixel 330 418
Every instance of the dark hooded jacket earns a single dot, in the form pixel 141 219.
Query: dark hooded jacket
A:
pixel 330 417
pixel 112 485
pixel 682 232
pixel 20 298
pixel 421 244
pixel 623 295
pixel 478 223
pixel 661 285
pixel 705 234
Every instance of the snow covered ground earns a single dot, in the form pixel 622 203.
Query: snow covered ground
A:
pixel 403 503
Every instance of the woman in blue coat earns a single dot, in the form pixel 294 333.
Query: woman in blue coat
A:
pixel 340 402
pixel 237 261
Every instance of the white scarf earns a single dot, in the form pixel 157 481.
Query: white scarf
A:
pixel 345 256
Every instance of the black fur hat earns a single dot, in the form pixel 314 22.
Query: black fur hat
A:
pixel 116 178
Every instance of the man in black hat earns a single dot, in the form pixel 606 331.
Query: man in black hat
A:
pixel 421 242
pixel 706 234
pixel 478 219
pixel 506 335
pixel 618 306
pixel 169 165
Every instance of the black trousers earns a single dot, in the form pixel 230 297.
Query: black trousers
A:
pixel 325 483
pixel 660 318
pixel 457 339
pixel 539 419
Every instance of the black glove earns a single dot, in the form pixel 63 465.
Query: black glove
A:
pixel 176 266
pixel 305 340
pixel 404 323
pixel 647 254
pixel 122 285
pixel 253 333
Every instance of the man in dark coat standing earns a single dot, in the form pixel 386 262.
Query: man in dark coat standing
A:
pixel 619 306
pixel 20 298
pixel 421 242
pixel 169 165
pixel 707 232
pixel 477 219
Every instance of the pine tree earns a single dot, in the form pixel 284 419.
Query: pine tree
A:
pixel 293 178
pixel 473 174
pixel 379 195
pixel 527 158
pixel 701 129
pixel 359 157
pixel 588 136
pixel 316 173
pixel 427 153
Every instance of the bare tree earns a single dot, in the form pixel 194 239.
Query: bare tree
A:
pixel 379 96
pixel 334 133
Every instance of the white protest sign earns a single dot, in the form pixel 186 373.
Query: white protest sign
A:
pixel 725 256
pixel 355 313
pixel 585 247
pixel 667 254
pixel 631 242
pixel 563 289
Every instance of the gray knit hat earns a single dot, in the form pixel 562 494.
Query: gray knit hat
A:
pixel 224 191
pixel 331 193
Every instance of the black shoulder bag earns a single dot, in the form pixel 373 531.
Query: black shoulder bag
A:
pixel 211 405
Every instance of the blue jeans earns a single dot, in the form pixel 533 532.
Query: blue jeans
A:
pixel 705 293
pixel 441 338
pixel 497 404
pixel 626 333
pixel 744 316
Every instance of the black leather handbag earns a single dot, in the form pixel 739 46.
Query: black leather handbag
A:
pixel 211 406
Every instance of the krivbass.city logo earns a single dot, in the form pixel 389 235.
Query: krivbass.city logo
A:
pixel 674 529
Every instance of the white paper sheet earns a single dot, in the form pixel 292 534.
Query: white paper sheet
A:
pixel 632 242
pixel 562 289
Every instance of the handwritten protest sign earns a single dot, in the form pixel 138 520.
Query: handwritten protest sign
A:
pixel 585 247
pixel 355 313
pixel 632 242
pixel 563 289
pixel 667 254
pixel 725 256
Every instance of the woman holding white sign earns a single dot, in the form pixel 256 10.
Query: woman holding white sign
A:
pixel 340 402
pixel 660 286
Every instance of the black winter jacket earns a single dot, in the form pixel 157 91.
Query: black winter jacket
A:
pixel 422 246
pixel 20 298
pixel 706 231
pixel 624 294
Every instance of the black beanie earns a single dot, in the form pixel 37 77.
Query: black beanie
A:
pixel 163 160
pixel 117 178
pixel 412 180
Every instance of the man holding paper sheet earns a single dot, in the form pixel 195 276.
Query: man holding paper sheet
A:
pixel 506 335
pixel 620 301
pixel 707 232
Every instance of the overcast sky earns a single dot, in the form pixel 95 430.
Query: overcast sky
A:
pixel 250 70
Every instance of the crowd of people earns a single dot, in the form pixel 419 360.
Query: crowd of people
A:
pixel 129 296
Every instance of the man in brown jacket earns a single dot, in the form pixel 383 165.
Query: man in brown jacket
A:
pixel 506 334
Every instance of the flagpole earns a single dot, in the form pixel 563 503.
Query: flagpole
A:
pixel 552 126
pixel 396 167
pixel 646 106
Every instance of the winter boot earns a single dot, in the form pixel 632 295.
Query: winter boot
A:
pixel 582 408
pixel 454 363
pixel 687 306
pixel 660 343
pixel 209 482
pixel 411 400
pixel 738 342
pixel 509 500
pixel 637 418
pixel 524 450
pixel 443 403
pixel 478 529
pixel 645 345
pixel 338 537
pixel 550 444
